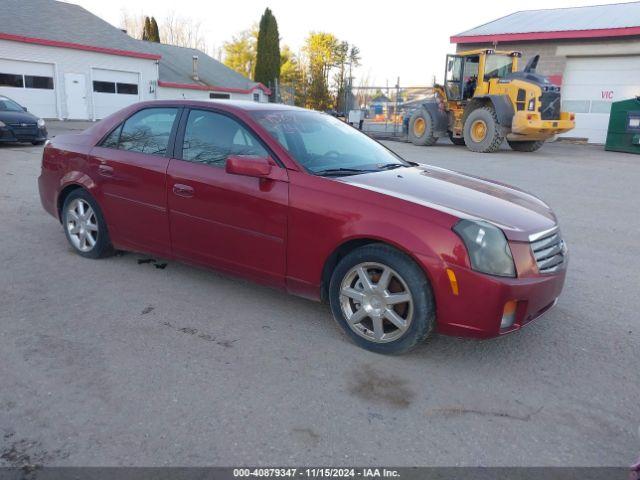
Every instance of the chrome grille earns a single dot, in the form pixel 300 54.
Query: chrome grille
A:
pixel 549 251
pixel 24 130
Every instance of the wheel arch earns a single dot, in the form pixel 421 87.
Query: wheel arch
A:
pixel 62 196
pixel 501 104
pixel 72 181
pixel 440 119
pixel 349 245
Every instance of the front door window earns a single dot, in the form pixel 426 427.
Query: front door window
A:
pixel 453 78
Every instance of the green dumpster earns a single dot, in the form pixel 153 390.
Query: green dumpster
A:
pixel 624 126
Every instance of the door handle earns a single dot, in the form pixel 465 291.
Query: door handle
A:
pixel 105 170
pixel 183 190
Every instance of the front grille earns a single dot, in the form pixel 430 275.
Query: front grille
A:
pixel 24 130
pixel 549 252
pixel 550 105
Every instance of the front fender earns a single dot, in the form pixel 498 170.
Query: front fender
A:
pixel 501 104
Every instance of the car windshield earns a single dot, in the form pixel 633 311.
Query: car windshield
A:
pixel 498 66
pixel 7 105
pixel 325 145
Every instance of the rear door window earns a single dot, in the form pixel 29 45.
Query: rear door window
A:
pixel 147 131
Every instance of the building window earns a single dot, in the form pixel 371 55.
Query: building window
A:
pixel 127 88
pixel 219 96
pixel 600 106
pixel 104 87
pixel 11 80
pixel 256 97
pixel 34 81
pixel 576 106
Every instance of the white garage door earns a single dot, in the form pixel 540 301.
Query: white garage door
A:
pixel 589 85
pixel 113 90
pixel 31 84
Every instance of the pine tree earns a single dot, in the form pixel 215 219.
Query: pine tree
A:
pixel 155 32
pixel 146 32
pixel 268 50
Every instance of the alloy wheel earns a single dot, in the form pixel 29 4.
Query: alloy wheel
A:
pixel 82 225
pixel 376 302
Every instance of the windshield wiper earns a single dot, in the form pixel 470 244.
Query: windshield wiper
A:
pixel 338 172
pixel 390 166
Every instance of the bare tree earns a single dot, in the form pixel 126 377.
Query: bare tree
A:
pixel 174 30
pixel 132 23
pixel 183 32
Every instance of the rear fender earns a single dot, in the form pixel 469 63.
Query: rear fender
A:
pixel 76 178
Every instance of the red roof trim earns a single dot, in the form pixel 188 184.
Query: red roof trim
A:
pixel 519 37
pixel 214 88
pixel 77 46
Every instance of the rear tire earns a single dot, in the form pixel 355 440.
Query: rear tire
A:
pixel 526 146
pixel 482 132
pixel 393 310
pixel 84 225
pixel 421 128
pixel 456 140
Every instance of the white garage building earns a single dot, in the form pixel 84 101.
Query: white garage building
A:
pixel 592 52
pixel 61 61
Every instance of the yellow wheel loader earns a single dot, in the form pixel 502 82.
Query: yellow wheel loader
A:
pixel 485 100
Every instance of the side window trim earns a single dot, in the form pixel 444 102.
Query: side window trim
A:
pixel 179 139
pixel 101 142
pixel 172 135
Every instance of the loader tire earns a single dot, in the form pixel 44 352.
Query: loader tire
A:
pixel 526 146
pixel 482 133
pixel 421 128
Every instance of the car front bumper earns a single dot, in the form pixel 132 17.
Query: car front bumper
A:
pixel 30 133
pixel 477 309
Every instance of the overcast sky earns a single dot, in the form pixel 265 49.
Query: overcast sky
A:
pixel 397 38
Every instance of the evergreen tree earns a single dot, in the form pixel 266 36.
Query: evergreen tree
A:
pixel 268 50
pixel 155 32
pixel 146 31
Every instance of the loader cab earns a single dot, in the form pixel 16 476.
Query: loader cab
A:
pixel 467 74
pixel 461 76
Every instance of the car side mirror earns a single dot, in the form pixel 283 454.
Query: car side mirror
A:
pixel 25 109
pixel 259 167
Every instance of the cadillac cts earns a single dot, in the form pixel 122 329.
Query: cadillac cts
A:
pixel 303 202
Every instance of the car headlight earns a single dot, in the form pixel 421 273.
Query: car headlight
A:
pixel 487 247
pixel 41 123
pixel 532 105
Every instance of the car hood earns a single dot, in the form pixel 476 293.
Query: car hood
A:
pixel 517 213
pixel 17 117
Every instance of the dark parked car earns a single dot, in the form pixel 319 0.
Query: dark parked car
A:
pixel 18 125
pixel 307 204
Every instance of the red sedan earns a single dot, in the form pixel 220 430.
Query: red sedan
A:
pixel 305 203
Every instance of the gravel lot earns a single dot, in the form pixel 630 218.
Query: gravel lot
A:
pixel 113 362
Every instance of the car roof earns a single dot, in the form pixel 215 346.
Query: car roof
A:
pixel 243 105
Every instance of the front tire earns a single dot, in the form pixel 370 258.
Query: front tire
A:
pixel 526 146
pixel 84 225
pixel 382 299
pixel 421 131
pixel 482 132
